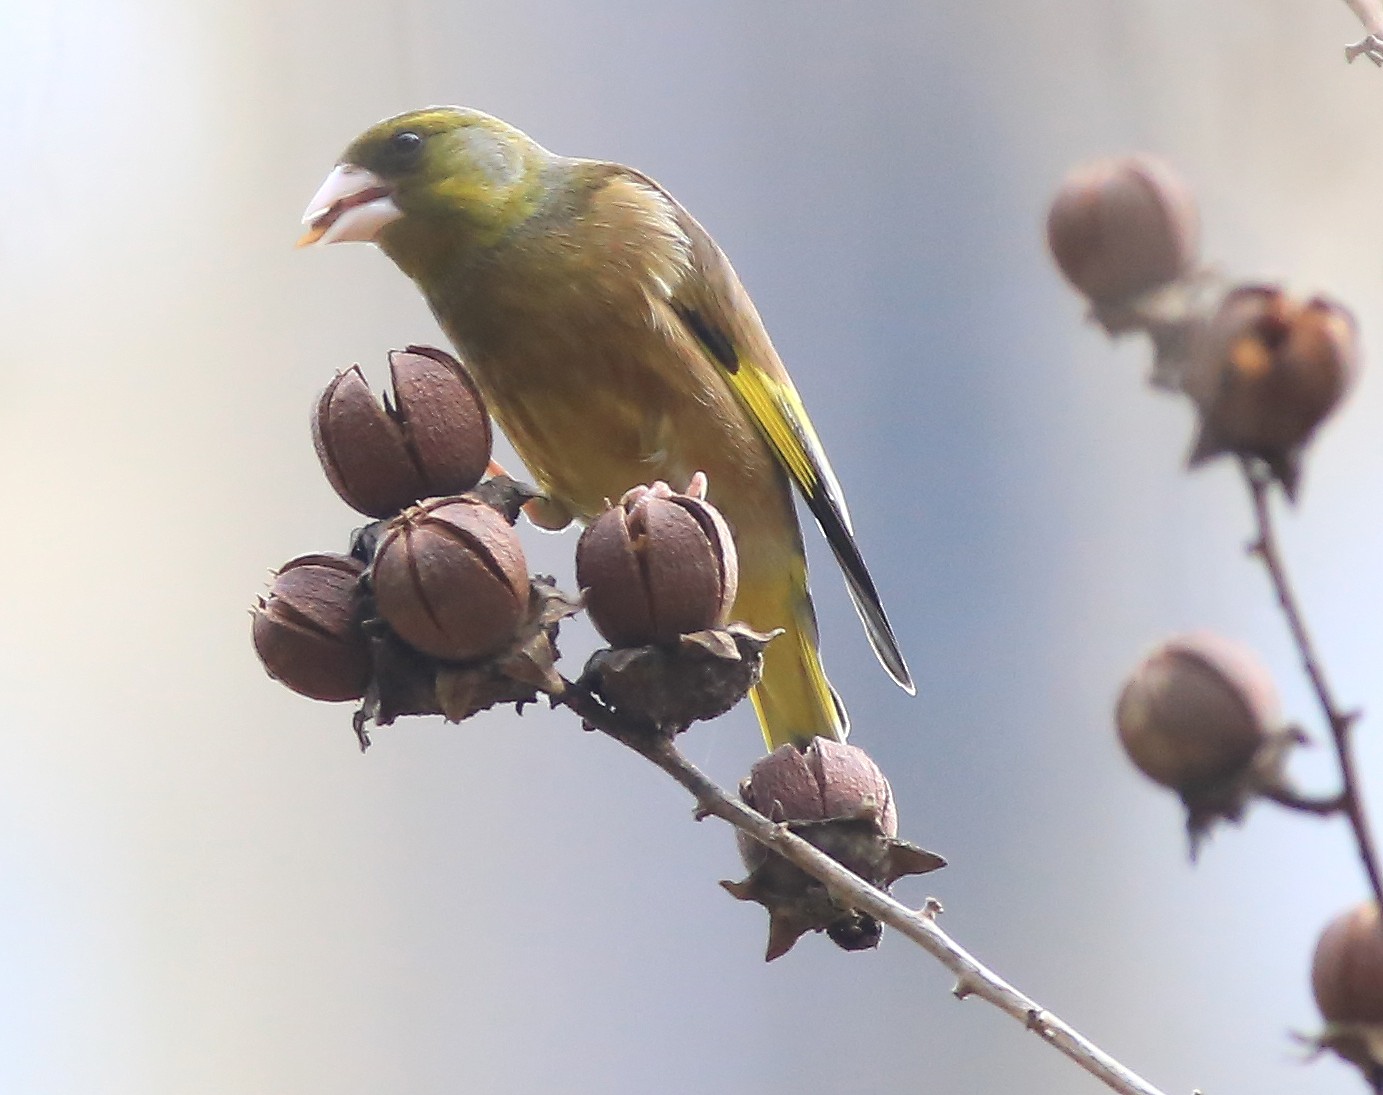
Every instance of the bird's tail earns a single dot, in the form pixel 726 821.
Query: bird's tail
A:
pixel 794 700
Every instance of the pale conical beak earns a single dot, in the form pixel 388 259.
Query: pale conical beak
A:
pixel 353 204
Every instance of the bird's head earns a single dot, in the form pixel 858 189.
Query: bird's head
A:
pixel 443 172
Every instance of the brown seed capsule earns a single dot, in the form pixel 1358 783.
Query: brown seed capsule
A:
pixel 449 577
pixel 1121 227
pixel 655 566
pixel 307 632
pixel 829 780
pixel 362 449
pixel 1195 711
pixel 1267 370
pixel 433 438
pixel 1347 970
pixel 443 417
pixel 834 797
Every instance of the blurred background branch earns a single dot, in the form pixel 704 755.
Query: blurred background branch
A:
pixel 1263 370
pixel 1339 722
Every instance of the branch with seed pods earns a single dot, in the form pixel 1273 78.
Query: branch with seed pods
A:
pixel 433 611
pixel 1263 370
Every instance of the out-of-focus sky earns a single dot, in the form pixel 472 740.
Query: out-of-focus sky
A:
pixel 205 888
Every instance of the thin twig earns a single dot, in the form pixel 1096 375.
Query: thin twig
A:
pixel 972 977
pixel 1292 799
pixel 1339 720
pixel 1370 13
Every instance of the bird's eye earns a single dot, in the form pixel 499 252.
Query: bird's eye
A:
pixel 406 145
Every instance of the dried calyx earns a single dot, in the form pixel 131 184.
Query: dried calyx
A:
pixel 667 687
pixel 404 681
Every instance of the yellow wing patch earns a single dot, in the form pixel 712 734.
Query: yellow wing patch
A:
pixel 779 413
pixel 776 408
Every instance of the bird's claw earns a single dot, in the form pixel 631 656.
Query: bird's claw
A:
pixel 547 513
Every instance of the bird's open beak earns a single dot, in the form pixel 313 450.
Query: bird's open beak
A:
pixel 353 204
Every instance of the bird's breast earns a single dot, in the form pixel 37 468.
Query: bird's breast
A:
pixel 596 404
pixel 569 332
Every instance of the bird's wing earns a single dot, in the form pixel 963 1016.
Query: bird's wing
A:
pixel 714 307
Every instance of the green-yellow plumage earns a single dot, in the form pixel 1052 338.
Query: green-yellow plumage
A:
pixel 614 345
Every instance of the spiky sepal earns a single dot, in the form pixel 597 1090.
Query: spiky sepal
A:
pixel 798 903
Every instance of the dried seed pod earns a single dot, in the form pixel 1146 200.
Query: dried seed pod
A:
pixel 443 418
pixel 1266 371
pixel 830 779
pixel 833 796
pixel 1195 712
pixel 433 438
pixel 1123 226
pixel 362 449
pixel 306 630
pixel 1347 970
pixel 449 577
pixel 655 566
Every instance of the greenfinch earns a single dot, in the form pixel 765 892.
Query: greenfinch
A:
pixel 615 346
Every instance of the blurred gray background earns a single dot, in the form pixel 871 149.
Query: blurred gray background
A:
pixel 205 888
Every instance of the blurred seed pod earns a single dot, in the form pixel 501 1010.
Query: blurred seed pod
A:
pixel 307 631
pixel 1347 981
pixel 1196 710
pixel 836 798
pixel 450 578
pixel 655 566
pixel 1200 715
pixel 1347 970
pixel 1265 372
pixel 433 438
pixel 1120 227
